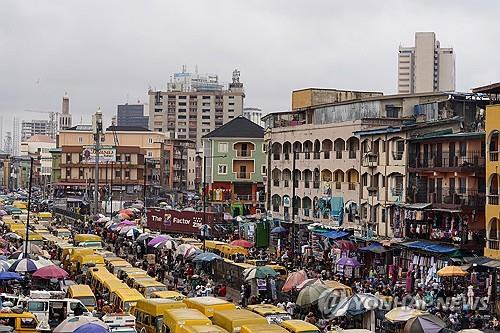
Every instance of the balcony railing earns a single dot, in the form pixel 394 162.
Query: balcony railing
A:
pixel 397 191
pixel 450 196
pixel 370 160
pixel 470 161
pixel 493 244
pixel 243 153
pixel 493 199
pixel 243 175
pixel 493 156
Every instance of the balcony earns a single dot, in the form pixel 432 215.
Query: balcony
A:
pixel 370 160
pixel 243 175
pixel 493 199
pixel 451 198
pixel 243 153
pixel 493 156
pixel 470 162
pixel 493 244
pixel 397 191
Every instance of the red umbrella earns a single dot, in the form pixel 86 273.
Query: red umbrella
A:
pixel 50 272
pixel 243 243
pixel 293 280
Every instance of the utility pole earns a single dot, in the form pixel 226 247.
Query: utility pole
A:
pixel 97 125
pixel 29 208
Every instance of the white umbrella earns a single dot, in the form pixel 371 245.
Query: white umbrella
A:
pixel 357 304
pixel 71 324
pixel 167 244
pixel 32 248
pixel 184 249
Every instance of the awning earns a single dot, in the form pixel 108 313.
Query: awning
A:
pixel 444 210
pixel 493 263
pixel 430 247
pixel 375 248
pixel 416 205
pixel 335 234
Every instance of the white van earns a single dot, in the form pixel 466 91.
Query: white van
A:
pixel 52 308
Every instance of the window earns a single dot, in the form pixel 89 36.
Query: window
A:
pixel 181 117
pixel 264 170
pixel 231 97
pixel 181 110
pixel 182 97
pixel 150 154
pixel 383 215
pixel 80 173
pixel 150 140
pixel 222 147
pixel 80 139
pixel 127 173
pixel 36 306
pixel 206 97
pixel 462 185
pixel 205 117
pixel 263 147
pixel 158 110
pixel 28 323
pixel 127 158
pixel 231 103
pixel 231 117
pixel 230 110
pixel 68 158
pixel 222 169
pixel 118 173
pixel 463 149
pixel 182 104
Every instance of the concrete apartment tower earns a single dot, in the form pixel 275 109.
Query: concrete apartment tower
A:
pixel 426 67
pixel 65 117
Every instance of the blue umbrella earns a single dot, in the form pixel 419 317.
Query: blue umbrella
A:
pixel 91 328
pixel 24 265
pixel 279 230
pixel 206 257
pixel 4 276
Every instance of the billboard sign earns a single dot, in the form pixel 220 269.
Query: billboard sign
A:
pixel 106 154
pixel 185 222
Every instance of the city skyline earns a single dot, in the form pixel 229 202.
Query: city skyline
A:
pixel 125 72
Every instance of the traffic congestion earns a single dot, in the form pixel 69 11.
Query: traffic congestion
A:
pixel 113 274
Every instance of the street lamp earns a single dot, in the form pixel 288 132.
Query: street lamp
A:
pixel 203 195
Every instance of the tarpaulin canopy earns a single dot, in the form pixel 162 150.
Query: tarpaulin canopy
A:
pixel 335 234
pixel 431 247
pixel 375 248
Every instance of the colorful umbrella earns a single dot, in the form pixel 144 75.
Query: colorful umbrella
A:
pixel 12 235
pixel 424 324
pixel 158 239
pixel 206 257
pixel 306 283
pixel 402 314
pixel 5 276
pixel 311 294
pixel 259 272
pixel 243 243
pixel 357 304
pixel 344 261
pixel 32 248
pixel 73 323
pixel 450 271
pixel 24 265
pixel 279 230
pixel 3 212
pixel 143 237
pixel 294 279
pixel 168 244
pixel 51 272
pixel 133 233
pixel 125 229
pixel 127 211
pixel 4 266
pixel 126 223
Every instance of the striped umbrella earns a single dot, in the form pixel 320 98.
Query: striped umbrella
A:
pixel 4 266
pixel 24 266
pixel 167 244
pixel 133 232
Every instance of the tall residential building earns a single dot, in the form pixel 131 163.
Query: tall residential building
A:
pixel 16 137
pixel 65 116
pixel 38 146
pixel 31 128
pixel 254 115
pixel 132 115
pixel 425 67
pixel 194 105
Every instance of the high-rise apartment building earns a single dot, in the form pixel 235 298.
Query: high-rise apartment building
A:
pixel 65 116
pixel 425 67
pixel 31 128
pixel 254 115
pixel 132 115
pixel 194 105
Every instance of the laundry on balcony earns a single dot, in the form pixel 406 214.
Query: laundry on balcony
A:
pixel 337 204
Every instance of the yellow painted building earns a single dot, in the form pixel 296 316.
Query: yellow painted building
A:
pixel 492 248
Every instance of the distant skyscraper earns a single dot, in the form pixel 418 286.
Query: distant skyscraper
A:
pixel 132 115
pixel 426 67
pixel 254 115
pixel 30 128
pixel 16 137
pixel 65 116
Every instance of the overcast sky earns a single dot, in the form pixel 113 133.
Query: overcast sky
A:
pixel 104 52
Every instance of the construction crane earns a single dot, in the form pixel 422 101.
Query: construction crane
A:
pixel 53 119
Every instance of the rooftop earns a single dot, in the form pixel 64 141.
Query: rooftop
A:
pixel 40 138
pixel 239 127
pixel 493 88
pixel 127 129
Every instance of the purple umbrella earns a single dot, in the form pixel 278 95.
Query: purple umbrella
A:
pixel 348 262
pixel 158 239
pixel 3 212
pixel 126 223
